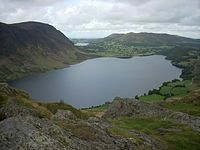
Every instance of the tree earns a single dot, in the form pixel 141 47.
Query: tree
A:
pixel 62 101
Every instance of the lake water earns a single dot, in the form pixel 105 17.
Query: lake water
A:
pixel 98 80
pixel 81 44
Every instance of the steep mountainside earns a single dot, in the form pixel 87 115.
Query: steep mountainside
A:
pixel 33 47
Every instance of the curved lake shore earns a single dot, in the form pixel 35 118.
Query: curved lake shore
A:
pixel 95 81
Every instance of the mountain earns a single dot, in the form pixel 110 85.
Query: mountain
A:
pixel 33 47
pixel 146 40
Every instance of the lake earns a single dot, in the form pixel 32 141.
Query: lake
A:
pixel 98 80
pixel 81 44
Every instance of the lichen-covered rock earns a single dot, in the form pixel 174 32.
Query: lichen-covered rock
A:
pixel 64 115
pixel 135 108
pixel 183 118
pixel 132 107
pixel 28 132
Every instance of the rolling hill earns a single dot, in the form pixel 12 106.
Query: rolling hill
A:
pixel 147 40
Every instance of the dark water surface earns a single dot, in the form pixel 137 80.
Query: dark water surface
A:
pixel 95 81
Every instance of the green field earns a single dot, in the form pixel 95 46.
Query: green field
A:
pixel 151 98
pixel 170 89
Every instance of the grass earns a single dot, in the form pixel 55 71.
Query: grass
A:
pixel 97 111
pixel 171 89
pixel 185 140
pixel 147 125
pixel 179 91
pixel 176 91
pixel 191 109
pixel 189 104
pixel 165 89
pixel 100 108
pixel 119 132
pixel 42 111
pixel 3 100
pixel 82 131
pixel 182 139
pixel 53 107
pixel 151 98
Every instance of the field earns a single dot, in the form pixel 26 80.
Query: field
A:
pixel 172 89
pixel 152 98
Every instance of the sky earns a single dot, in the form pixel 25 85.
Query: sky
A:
pixel 99 18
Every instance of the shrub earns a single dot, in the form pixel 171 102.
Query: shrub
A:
pixel 136 97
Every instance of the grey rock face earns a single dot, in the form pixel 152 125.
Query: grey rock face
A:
pixel 22 128
pixel 32 133
pixel 64 115
pixel 25 133
pixel 183 118
pixel 135 108
pixel 131 107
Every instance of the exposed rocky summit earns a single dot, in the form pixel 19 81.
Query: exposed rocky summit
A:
pixel 135 108
pixel 131 107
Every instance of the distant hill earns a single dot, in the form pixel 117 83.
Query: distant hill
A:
pixel 33 47
pixel 146 40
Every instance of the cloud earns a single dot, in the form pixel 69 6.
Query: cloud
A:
pixel 98 18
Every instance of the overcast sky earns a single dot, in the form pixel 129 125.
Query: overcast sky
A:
pixel 99 18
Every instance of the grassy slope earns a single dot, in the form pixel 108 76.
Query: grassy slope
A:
pixel 189 104
pixel 182 138
pixel 97 110
pixel 13 68
pixel 46 110
pixel 152 98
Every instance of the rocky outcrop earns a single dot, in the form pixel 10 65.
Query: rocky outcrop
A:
pixel 64 115
pixel 28 132
pixel 135 108
pixel 131 107
pixel 6 90
pixel 186 119
pixel 29 125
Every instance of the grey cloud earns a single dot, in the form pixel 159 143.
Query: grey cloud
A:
pixel 92 17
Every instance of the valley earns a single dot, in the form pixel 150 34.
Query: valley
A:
pixel 163 118
pixel 99 75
